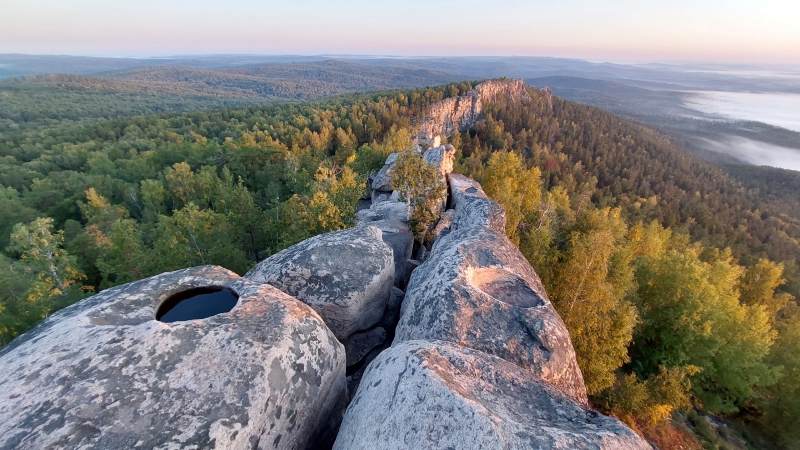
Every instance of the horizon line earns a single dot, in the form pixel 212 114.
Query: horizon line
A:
pixel 419 57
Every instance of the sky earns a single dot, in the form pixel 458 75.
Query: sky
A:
pixel 756 31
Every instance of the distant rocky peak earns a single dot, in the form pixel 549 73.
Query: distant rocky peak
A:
pixel 449 115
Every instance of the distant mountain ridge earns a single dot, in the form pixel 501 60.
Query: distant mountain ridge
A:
pixel 35 100
pixel 279 80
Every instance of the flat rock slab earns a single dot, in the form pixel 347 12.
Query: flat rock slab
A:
pixel 346 276
pixel 478 291
pixel 105 374
pixel 434 395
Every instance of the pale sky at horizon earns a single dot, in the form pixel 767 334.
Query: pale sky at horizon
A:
pixel 761 31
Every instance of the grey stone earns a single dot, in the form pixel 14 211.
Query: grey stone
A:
pixel 449 115
pixel 473 208
pixel 390 211
pixel 383 179
pixel 354 379
pixel 390 217
pixel 441 157
pixel 435 395
pixel 105 374
pixel 346 276
pixel 478 291
pixel 411 266
pixel 443 226
pixel 378 197
pixel 397 298
pixel 359 344
pixel 392 313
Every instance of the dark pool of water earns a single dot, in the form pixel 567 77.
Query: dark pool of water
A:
pixel 197 303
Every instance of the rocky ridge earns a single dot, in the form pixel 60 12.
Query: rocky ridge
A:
pixel 449 115
pixel 453 344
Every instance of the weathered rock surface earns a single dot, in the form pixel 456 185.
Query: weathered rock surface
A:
pixel 382 181
pixel 447 116
pixel 392 314
pixel 359 344
pixel 441 157
pixel 435 395
pixel 105 374
pixel 478 291
pixel 443 226
pixel 390 217
pixel 346 276
pixel 473 208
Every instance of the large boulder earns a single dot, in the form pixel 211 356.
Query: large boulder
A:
pixel 346 276
pixel 435 395
pixel 443 226
pixel 382 181
pixel 477 290
pixel 441 157
pixel 473 208
pixel 105 374
pixel 390 217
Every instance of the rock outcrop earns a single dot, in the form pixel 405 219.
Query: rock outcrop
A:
pixel 105 374
pixel 441 157
pixel 436 395
pixel 447 116
pixel 346 276
pixel 478 291
pixel 390 217
pixel 382 181
pixel 480 358
pixel 473 209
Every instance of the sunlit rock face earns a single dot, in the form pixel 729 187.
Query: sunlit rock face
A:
pixel 105 374
pixel 382 181
pixel 437 395
pixel 346 276
pixel 390 217
pixel 478 291
pixel 453 114
pixel 441 157
pixel 473 209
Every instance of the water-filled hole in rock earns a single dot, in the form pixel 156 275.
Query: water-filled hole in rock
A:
pixel 197 303
pixel 471 190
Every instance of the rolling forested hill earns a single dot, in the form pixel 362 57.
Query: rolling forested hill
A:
pixel 47 100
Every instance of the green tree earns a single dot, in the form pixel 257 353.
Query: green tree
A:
pixel 691 316
pixel 592 279
pixel 55 275
pixel 758 286
pixel 193 237
pixel 779 404
pixel 420 185
pixel 123 257
pixel 14 212
pixel 16 312
pixel 517 189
